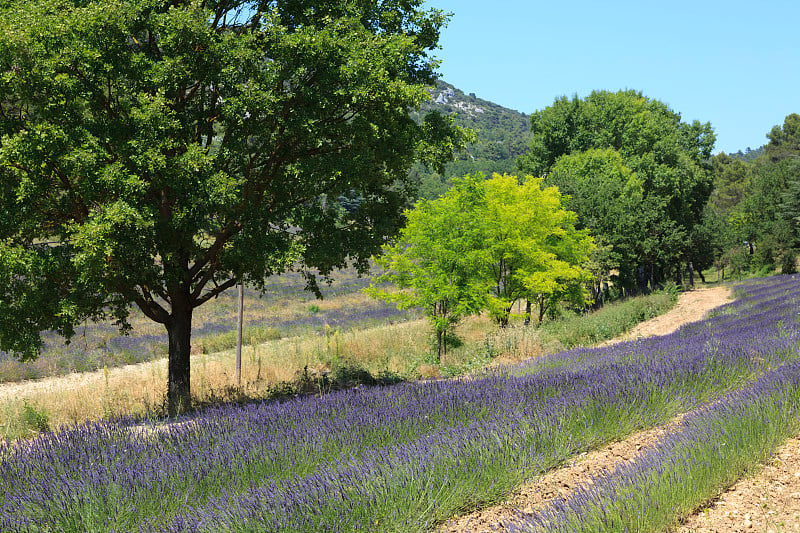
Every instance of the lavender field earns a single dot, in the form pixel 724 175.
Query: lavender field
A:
pixel 284 309
pixel 406 457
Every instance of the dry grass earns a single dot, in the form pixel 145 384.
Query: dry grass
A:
pixel 285 309
pixel 402 349
pixel 140 389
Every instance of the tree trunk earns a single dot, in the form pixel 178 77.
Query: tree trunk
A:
pixel 179 331
pixel 440 341
pixel 502 320
pixel 642 279
pixel 691 274
pixel 702 277
pixel 527 312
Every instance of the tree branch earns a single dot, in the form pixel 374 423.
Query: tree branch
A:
pixel 214 292
pixel 212 254
pixel 151 309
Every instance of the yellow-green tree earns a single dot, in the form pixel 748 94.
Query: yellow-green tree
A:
pixel 533 250
pixel 433 261
pixel 482 246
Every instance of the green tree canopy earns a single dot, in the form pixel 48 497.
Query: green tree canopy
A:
pixel 784 141
pixel 533 250
pixel 758 202
pixel 668 157
pixel 157 153
pixel 484 245
pixel 732 179
pixel 607 196
pixel 433 262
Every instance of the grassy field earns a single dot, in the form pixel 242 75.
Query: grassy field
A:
pixel 406 457
pixel 354 351
pixel 283 310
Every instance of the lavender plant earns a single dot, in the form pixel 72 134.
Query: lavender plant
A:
pixel 399 458
pixel 714 447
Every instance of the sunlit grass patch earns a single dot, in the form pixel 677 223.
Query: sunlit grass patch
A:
pixel 399 458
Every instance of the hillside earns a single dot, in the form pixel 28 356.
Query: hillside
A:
pixel 502 135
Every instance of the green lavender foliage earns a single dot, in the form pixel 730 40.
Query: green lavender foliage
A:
pixel 406 457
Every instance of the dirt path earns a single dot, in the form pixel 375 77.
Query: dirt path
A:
pixel 557 484
pixel 766 502
pixel 80 380
pixel 691 307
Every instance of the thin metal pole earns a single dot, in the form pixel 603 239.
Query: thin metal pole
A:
pixel 239 322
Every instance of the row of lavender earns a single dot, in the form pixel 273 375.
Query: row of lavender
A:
pixel 387 459
pixel 714 446
pixel 281 311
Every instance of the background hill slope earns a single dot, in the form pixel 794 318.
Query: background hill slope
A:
pixel 502 135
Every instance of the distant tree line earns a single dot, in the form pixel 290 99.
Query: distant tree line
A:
pixel 644 183
pixel 753 215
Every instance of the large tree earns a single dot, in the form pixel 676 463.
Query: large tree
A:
pixel 668 156
pixel 483 245
pixel 156 153
pixel 434 262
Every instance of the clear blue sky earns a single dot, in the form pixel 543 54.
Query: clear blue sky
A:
pixel 731 63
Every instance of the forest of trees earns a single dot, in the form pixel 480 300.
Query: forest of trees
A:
pixel 637 176
pixel 659 205
pixel 753 216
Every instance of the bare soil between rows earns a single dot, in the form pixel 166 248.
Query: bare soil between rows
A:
pixel 768 501
pixel 558 484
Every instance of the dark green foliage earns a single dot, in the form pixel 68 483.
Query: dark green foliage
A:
pixel 640 175
pixel 784 141
pixel 758 203
pixel 732 179
pixel 749 154
pixel 159 153
pixel 789 262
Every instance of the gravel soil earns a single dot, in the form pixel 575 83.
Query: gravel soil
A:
pixel 691 307
pixel 557 484
pixel 766 502
pixel 769 501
